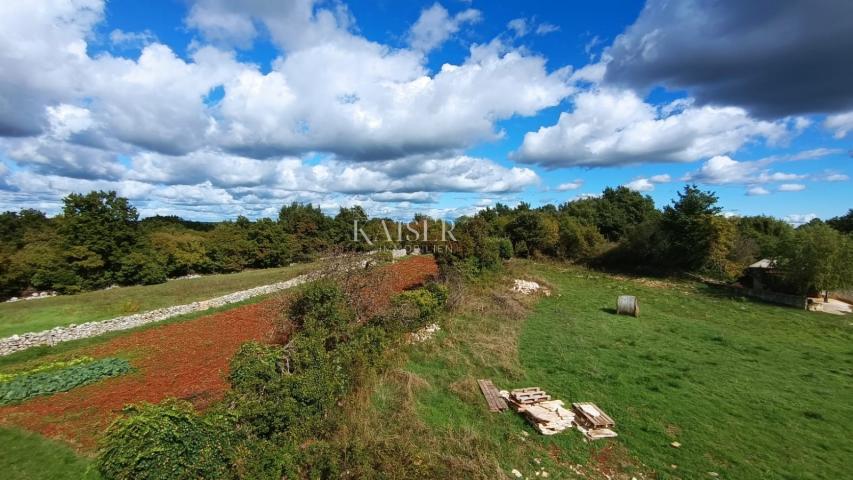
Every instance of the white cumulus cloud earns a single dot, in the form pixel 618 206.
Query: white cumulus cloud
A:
pixel 615 127
pixel 436 25
pixel 574 185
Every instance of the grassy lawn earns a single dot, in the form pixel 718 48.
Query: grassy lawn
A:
pixel 27 456
pixel 749 390
pixel 37 315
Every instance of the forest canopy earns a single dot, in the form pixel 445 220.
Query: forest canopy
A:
pixel 99 240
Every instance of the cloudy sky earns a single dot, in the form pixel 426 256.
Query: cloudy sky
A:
pixel 211 109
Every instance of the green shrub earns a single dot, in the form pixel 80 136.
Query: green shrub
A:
pixel 278 390
pixel 321 305
pixel 48 382
pixel 166 441
pixel 261 459
pixel 279 413
pixel 521 249
pixel 416 307
pixel 505 248
pixel 579 241
pixel 439 291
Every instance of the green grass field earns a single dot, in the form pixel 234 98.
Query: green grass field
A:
pixel 43 314
pixel 27 456
pixel 750 390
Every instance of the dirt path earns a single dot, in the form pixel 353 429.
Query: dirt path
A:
pixel 187 360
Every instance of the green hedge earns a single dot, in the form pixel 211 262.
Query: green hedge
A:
pixel 23 387
pixel 281 403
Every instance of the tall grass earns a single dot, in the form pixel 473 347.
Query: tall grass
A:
pixel 749 390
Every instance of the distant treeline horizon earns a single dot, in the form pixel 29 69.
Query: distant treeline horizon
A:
pixel 99 239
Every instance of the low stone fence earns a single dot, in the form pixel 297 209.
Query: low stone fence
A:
pixel 56 335
pixel 796 301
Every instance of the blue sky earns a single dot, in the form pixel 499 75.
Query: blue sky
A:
pixel 210 109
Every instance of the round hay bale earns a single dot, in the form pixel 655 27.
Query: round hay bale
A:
pixel 628 305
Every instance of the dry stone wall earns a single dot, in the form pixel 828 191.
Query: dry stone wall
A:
pixel 16 343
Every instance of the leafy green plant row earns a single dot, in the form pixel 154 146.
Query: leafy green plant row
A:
pixel 49 382
pixel 47 367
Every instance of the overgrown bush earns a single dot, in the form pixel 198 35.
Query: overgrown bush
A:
pixel 281 404
pixel 579 241
pixel 321 305
pixel 439 291
pixel 505 248
pixel 415 307
pixel 166 441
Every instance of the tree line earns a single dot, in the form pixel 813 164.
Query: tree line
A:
pixel 99 240
pixel 623 230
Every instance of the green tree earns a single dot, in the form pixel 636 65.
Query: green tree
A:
pixel 184 250
pixel 620 209
pixel 271 246
pixel 768 233
pixel 343 227
pixel 583 209
pixel 728 252
pixel 311 229
pixel 818 258
pixel 98 229
pixel 228 248
pixel 689 227
pixel 578 240
pixel 142 267
pixel 534 232
pixel 844 223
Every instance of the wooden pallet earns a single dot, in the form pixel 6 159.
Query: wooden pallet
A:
pixel 493 398
pixel 528 396
pixel 589 415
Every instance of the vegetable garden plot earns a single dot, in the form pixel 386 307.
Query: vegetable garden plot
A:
pixel 24 387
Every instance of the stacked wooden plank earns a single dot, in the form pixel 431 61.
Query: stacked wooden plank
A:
pixel 546 415
pixel 493 398
pixel 549 416
pixel 590 416
pixel 593 422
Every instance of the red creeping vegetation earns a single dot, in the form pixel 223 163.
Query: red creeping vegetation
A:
pixel 186 360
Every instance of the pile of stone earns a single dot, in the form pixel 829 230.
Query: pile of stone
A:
pixel 424 333
pixel 186 277
pixel 57 335
pixel 34 296
pixel 526 287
